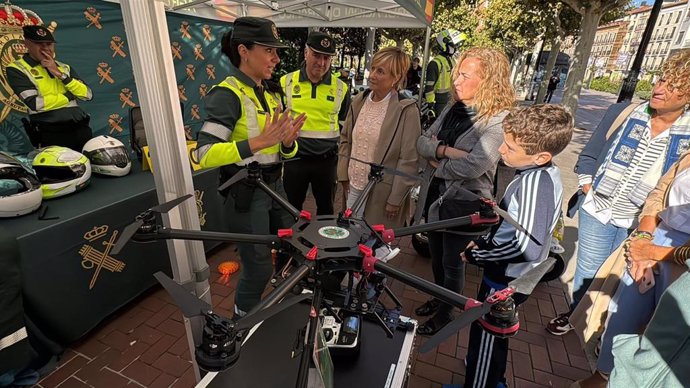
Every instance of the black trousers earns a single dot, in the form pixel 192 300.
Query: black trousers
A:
pixel 320 172
pixel 487 355
pixel 448 269
pixel 549 94
pixel 71 135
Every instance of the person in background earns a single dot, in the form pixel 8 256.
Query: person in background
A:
pixel 381 128
pixel 324 98
pixel 553 84
pixel 461 150
pixel 244 124
pixel 414 77
pixel 437 84
pixel 620 166
pixel 50 90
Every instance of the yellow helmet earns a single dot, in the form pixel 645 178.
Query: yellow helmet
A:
pixel 61 170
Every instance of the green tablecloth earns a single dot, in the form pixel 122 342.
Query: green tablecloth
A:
pixel 69 284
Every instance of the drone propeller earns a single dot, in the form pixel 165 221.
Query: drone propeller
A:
pixel 130 230
pixel 243 173
pixel 190 305
pixel 523 285
pixel 388 170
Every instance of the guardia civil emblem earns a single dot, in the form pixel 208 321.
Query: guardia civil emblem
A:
pixel 334 232
pixel 95 256
pixel 11 48
pixel 275 31
pixel 296 89
pixel 325 43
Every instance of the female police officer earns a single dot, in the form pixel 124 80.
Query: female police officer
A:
pixel 239 130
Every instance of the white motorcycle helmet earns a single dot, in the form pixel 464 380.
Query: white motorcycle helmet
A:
pixel 20 189
pixel 61 170
pixel 108 156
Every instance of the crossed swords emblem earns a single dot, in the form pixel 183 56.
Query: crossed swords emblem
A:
pixel 103 71
pixel 184 30
pixel 92 258
pixel 93 17
pixel 116 45
pixel 126 97
pixel 176 50
pixel 115 120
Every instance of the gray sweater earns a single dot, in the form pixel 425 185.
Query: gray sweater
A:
pixel 475 172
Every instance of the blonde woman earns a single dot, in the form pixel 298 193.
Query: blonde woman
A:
pixel 461 149
pixel 382 128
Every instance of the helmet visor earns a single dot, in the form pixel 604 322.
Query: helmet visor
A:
pixel 15 180
pixel 57 174
pixel 116 156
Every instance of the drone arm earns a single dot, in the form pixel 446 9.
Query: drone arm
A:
pixel 473 219
pixel 278 198
pixel 361 200
pixel 423 285
pixel 283 289
pixel 181 234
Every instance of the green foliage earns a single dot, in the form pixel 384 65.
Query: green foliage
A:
pixel 643 89
pixel 605 84
pixel 292 57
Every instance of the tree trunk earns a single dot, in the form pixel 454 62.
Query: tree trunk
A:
pixel 533 66
pixel 578 64
pixel 550 63
pixel 342 57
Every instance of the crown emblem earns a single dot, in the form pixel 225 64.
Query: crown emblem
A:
pixel 325 42
pixel 275 31
pixel 13 18
pixel 96 233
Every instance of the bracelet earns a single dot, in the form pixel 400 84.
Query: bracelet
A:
pixel 443 153
pixel 642 234
pixel 681 254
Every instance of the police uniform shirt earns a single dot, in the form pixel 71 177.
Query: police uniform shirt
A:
pixel 224 107
pixel 311 147
pixel 20 83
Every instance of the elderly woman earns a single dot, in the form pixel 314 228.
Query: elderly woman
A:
pixel 620 166
pixel 656 254
pixel 381 128
pixel 461 149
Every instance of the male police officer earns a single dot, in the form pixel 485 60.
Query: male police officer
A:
pixel 50 89
pixel 325 99
pixel 438 81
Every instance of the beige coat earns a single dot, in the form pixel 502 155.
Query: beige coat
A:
pixel 399 132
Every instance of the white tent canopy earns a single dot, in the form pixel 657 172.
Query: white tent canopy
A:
pixel 314 13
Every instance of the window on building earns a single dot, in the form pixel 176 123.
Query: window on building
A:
pixel 678 16
pixel 680 37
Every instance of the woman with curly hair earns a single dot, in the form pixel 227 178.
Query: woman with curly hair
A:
pixel 461 150
pixel 619 167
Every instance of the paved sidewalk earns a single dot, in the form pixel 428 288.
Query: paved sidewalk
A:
pixel 144 343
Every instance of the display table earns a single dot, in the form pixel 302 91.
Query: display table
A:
pixel 265 360
pixel 70 283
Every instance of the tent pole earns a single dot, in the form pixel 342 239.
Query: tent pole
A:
pixel 148 39
pixel 425 61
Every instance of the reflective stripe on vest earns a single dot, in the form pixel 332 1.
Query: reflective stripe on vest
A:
pixel 13 338
pixel 249 125
pixel 322 117
pixel 442 84
pixel 44 85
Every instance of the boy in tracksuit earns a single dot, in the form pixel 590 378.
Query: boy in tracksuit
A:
pixel 532 137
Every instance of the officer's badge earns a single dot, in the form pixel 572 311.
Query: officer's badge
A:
pixel 275 31
pixel 41 32
pixel 296 89
pixel 325 43
pixel 34 71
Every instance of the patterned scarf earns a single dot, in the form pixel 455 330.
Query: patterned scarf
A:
pixel 618 158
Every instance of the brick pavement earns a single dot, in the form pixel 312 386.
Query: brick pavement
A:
pixel 144 344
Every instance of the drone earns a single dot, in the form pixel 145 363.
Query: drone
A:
pixel 321 246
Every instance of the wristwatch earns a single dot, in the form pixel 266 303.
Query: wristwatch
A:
pixel 64 76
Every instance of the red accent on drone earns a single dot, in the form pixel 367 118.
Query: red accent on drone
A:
pixel 282 233
pixel 472 303
pixel 378 228
pixel 347 213
pixel 501 330
pixel 365 250
pixel 312 253
pixel 368 263
pixel 305 215
pixel 500 296
pixel 388 236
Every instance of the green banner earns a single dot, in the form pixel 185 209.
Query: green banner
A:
pixel 91 38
